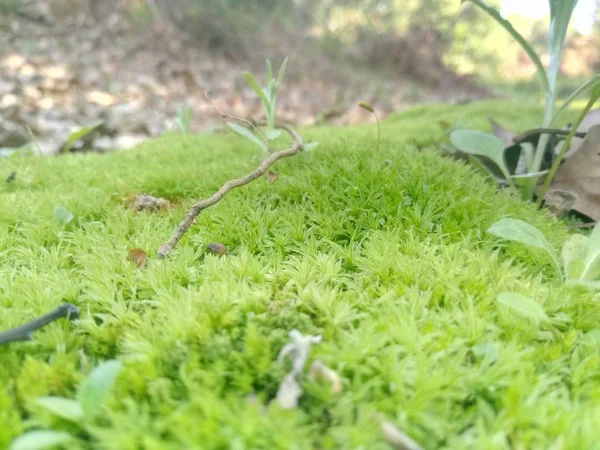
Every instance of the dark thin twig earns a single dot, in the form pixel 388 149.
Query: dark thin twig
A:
pixel 195 210
pixel 25 332
pixel 249 123
pixel 538 131
pixel 582 225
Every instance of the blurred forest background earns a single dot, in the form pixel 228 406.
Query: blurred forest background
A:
pixel 135 64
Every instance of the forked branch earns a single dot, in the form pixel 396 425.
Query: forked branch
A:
pixel 195 210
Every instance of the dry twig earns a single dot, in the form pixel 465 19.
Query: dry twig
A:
pixel 195 210
pixel 539 131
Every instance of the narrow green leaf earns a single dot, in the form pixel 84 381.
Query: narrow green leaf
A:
pixel 517 230
pixel 80 133
pixel 523 306
pixel 589 84
pixel 40 440
pixel 62 407
pixel 256 88
pixel 248 135
pixel 560 16
pixel 96 387
pixel 282 70
pixel 495 14
pixel 62 215
pixel 478 143
pixel 269 72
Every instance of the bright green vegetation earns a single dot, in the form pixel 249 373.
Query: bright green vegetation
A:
pixel 386 255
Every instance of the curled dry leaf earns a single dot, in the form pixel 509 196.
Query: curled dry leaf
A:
pixel 319 371
pixel 396 438
pixel 217 248
pixel 271 176
pixel 138 256
pixel 580 174
pixel 500 132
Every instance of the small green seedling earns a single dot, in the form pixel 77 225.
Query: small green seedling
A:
pixel 470 141
pixel 368 107
pixel 580 254
pixel 82 411
pixel 62 215
pixel 268 98
pixel 183 118
pixel 80 134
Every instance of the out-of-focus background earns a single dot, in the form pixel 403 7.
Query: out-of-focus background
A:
pixel 133 64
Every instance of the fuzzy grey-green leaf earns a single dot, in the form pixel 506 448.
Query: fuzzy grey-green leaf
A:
pixel 62 215
pixel 96 387
pixel 478 143
pixel 40 440
pixel 248 135
pixel 517 230
pixel 62 407
pixel 523 305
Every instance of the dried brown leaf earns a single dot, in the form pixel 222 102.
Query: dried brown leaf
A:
pixel 217 248
pixel 138 256
pixel 560 201
pixel 580 174
pixel 444 125
pixel 271 176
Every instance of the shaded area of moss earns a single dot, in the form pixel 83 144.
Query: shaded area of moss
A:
pixel 384 254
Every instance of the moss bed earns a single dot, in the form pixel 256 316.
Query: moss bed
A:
pixel 385 254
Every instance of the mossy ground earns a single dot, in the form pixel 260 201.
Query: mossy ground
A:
pixel 384 254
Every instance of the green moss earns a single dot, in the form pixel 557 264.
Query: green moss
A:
pixel 384 254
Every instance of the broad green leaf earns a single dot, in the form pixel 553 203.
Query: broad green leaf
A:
pixel 481 144
pixel 517 230
pixel 96 387
pixel 523 306
pixel 80 133
pixel 256 88
pixel 573 255
pixel 310 146
pixel 248 135
pixel 592 256
pixel 40 440
pixel 273 134
pixel 62 215
pixel 62 407
pixel 495 14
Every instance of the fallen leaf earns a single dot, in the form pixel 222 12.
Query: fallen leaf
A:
pixel 319 371
pixel 580 174
pixel 591 119
pixel 396 438
pixel 138 256
pixel 217 248
pixel 560 201
pixel 271 177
